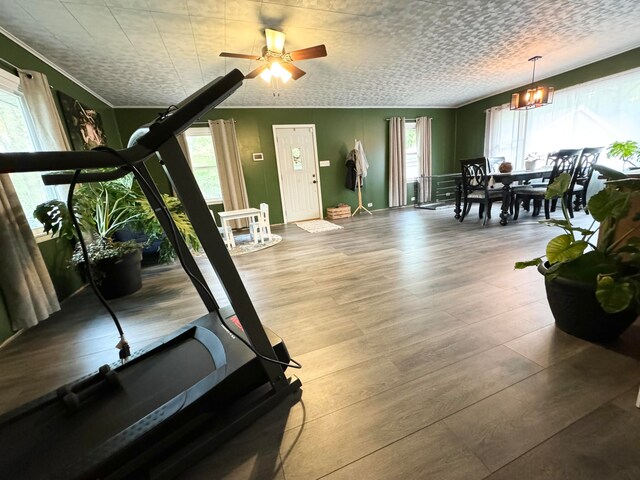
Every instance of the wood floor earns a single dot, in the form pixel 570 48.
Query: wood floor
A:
pixel 425 354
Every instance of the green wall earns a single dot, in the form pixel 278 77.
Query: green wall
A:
pixel 55 252
pixel 336 130
pixel 470 119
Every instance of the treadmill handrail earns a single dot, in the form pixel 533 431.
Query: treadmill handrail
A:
pixel 159 132
pixel 84 177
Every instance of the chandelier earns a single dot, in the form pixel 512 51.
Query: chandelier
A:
pixel 534 96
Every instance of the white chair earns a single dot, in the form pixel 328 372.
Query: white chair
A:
pixel 262 228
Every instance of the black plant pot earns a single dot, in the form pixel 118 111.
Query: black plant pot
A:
pixel 120 276
pixel 577 311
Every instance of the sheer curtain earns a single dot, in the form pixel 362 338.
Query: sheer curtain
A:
pixel 397 163
pixel 42 108
pixel 592 114
pixel 423 140
pixel 234 191
pixel 504 134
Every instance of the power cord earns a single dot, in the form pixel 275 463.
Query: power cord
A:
pixel 174 234
pixel 123 347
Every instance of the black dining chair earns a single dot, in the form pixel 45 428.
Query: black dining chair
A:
pixel 476 189
pixel 563 161
pixel 584 171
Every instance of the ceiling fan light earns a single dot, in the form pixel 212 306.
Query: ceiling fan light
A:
pixel 266 75
pixel 275 40
pixel 277 70
pixel 285 76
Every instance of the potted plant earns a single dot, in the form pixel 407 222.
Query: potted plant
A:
pixel 628 152
pixel 103 209
pixel 594 288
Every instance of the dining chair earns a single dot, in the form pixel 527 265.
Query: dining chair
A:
pixel 475 188
pixel 588 159
pixel 563 161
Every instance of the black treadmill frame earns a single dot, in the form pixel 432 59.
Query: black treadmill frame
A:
pixel 160 139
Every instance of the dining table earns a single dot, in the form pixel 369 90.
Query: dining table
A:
pixel 506 180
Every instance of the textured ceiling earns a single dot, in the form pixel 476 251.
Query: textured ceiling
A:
pixel 380 52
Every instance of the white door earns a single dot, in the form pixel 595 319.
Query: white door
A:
pixel 297 159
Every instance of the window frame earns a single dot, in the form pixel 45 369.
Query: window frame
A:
pixel 10 84
pixel 204 132
pixel 411 125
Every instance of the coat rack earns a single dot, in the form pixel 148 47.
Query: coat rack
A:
pixel 359 177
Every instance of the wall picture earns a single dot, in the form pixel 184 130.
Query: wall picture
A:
pixel 83 124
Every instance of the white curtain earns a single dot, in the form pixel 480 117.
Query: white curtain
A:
pixel 592 114
pixel 25 283
pixel 423 140
pixel 42 107
pixel 234 191
pixel 397 163
pixel 184 145
pixel 503 135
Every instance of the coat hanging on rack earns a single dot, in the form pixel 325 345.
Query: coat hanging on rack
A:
pixel 361 172
pixel 352 175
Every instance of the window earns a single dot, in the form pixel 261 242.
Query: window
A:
pixel 411 151
pixel 592 114
pixel 203 163
pixel 17 134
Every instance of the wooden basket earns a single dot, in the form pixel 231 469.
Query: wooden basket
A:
pixel 341 211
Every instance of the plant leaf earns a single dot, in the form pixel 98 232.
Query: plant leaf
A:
pixel 613 296
pixel 559 186
pixel 564 248
pixel 530 263
pixel 609 203
pixel 588 267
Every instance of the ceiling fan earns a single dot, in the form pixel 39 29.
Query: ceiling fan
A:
pixel 278 62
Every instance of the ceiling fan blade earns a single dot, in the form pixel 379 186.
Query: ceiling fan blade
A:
pixel 275 40
pixel 256 71
pixel 239 55
pixel 307 53
pixel 295 72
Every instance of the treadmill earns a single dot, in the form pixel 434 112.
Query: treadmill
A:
pixel 176 400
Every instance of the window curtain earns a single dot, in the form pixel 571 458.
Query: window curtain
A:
pixel 397 163
pixel 42 107
pixel 504 134
pixel 25 282
pixel 184 145
pixel 234 191
pixel 423 139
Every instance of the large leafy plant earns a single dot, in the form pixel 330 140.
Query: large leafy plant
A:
pixel 628 152
pixel 611 264
pixel 103 208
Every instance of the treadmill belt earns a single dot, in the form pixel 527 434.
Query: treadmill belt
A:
pixel 52 437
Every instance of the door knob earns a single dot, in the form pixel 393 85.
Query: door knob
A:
pixel 315 181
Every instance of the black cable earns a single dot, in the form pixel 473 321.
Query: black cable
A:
pixel 174 234
pixel 123 346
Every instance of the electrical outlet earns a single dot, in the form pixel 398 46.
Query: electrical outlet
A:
pixel 413 199
pixel 369 204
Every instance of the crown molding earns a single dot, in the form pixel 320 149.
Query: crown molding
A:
pixel 60 70
pixel 224 107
